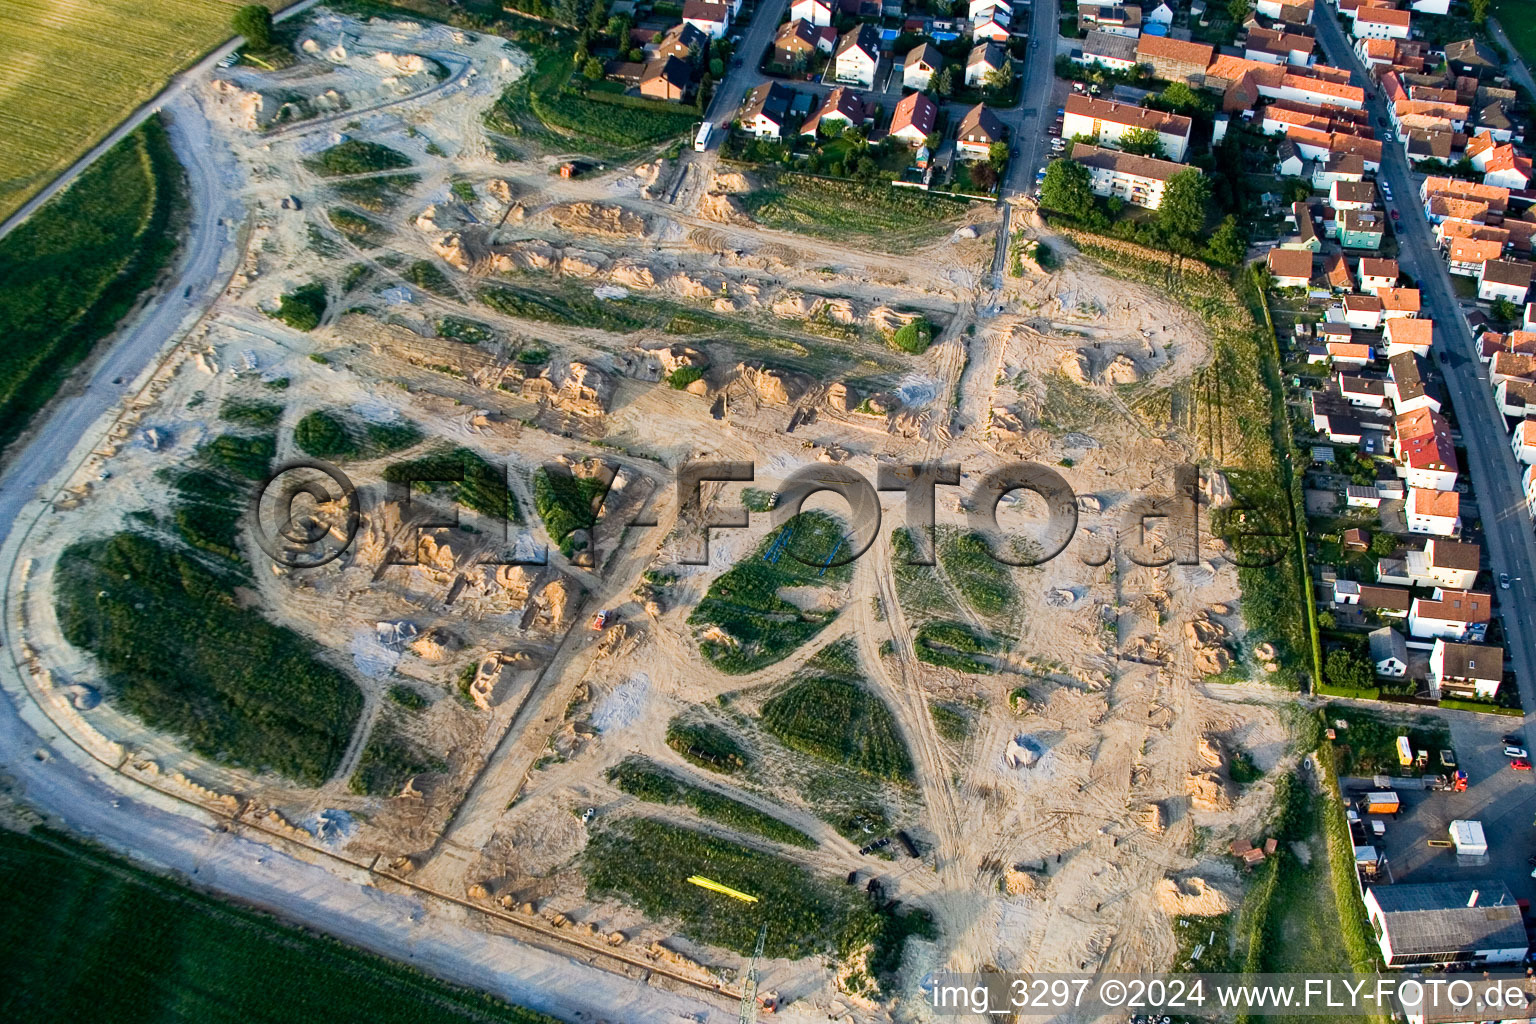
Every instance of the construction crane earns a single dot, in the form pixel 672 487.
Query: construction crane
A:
pixel 749 983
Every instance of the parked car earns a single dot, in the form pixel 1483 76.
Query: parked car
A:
pixel 1395 216
pixel 1503 581
pixel 1445 357
pixel 1386 191
pixel 1514 751
pixel 1520 764
pixel 1513 740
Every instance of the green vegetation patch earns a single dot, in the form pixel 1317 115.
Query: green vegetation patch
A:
pixel 842 722
pixel 566 503
pixel 251 412
pixel 890 217
pixel 1367 745
pixel 389 760
pixel 913 338
pixel 73 269
pixel 360 231
pixel 984 582
pixel 950 722
pixel 302 308
pixel 470 332
pixel 244 691
pixel 243 455
pixel 706 745
pixel 743 623
pixel 207 512
pixel 103 940
pixel 427 275
pixel 355 156
pixel 482 487
pixel 379 194
pixel 680 378
pixel 642 778
pixel 647 863
pixel 330 434
pixel 575 311
pixel 953 645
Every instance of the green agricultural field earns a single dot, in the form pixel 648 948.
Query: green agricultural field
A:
pixel 332 434
pixel 845 210
pixel 566 503
pixel 481 486
pixel 706 745
pixel 76 266
pixel 90 937
pixel 244 691
pixel 74 69
pixel 842 722
pixel 984 582
pixel 952 645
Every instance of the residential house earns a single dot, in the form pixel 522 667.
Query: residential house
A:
pixel 1522 441
pixel 1466 256
pixel 1162 14
pixel 984 59
pixel 1388 602
pixel 1398 302
pixel 1507 365
pixel 1107 122
pixel 922 63
pixel 1174 60
pixel 1349 353
pixel 797 41
pixel 1451 564
pixel 1290 268
pixel 1504 279
pixel 1408 334
pixel 1361 229
pixel 667 78
pixel 980 7
pixel 1470 922
pixel 857 56
pixel 1337 167
pixel 682 41
pixel 1381 23
pixel 817 12
pixel 1107 50
pixel 1504 166
pixel 1120 19
pixel 1360 496
pixel 914 119
pixel 1377 273
pixel 711 19
pixel 1389 652
pixel 1306 236
pixel 1436 513
pixel 1139 180
pixel 1451 614
pixel 1471 58
pixel 842 106
pixel 1336 273
pixel 1515 396
pixel 767 110
pixel 1362 312
pixel 1352 195
pixel 979 128
pixel 990 26
pixel 1465 670
pixel 1406 386
pixel 1425 452
pixel 1276 46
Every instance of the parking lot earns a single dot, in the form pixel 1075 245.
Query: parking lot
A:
pixel 1502 799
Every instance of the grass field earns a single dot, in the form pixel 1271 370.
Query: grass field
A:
pixel 71 271
pixel 1515 18
pixel 842 722
pixel 643 778
pixel 74 69
pixel 842 210
pixel 90 937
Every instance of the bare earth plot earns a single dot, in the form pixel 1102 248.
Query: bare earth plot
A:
pixel 1040 736
pixel 75 68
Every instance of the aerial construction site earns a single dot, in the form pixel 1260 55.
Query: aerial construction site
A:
pixel 512 694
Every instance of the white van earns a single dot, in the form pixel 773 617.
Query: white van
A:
pixel 701 140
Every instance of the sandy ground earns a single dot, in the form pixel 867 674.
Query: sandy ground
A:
pixel 1055 866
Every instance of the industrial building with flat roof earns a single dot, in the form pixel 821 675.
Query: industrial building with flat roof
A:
pixel 1476 922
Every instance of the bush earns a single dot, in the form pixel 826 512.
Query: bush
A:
pixel 707 746
pixel 566 503
pixel 482 487
pixel 324 436
pixel 949 722
pixel 246 456
pixel 984 582
pixel 425 274
pixel 388 762
pixel 913 338
pixel 470 332
pixel 680 378
pixel 841 722
pixel 302 308
pixel 243 692
pixel 251 412
pixel 952 645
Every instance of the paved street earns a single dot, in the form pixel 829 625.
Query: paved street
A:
pixel 1494 471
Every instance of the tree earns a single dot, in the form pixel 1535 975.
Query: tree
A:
pixel 1383 544
pixel 1504 311
pixel 1001 79
pixel 1067 188
pixel 593 69
pixel 1179 96
pixel 254 22
pixel 1237 10
pixel 1143 142
pixel 1479 10
pixel 1347 669
pixel 1182 212
pixel 1227 245
pixel 997 156
pixel 717 67
pixel 932 140
pixel 944 82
